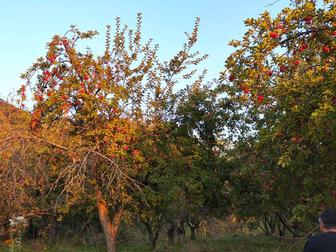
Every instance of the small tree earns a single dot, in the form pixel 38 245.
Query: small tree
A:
pixel 184 179
pixel 22 191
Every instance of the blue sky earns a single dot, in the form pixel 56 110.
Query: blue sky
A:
pixel 27 25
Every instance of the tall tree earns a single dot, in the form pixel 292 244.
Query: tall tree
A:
pixel 97 109
pixel 280 87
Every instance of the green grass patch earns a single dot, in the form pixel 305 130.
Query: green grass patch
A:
pixel 235 243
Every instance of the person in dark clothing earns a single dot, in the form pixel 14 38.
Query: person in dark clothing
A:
pixel 326 241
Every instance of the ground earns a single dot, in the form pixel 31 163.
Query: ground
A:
pixel 235 243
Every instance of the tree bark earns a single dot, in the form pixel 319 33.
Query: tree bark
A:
pixel 110 226
pixel 193 225
pixel 152 235
pixel 170 233
pixel 180 231
pixel 193 232
pixel 281 231
pixel 52 232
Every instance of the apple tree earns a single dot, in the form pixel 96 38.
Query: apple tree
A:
pixel 97 108
pixel 280 89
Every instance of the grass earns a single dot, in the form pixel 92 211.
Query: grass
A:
pixel 227 243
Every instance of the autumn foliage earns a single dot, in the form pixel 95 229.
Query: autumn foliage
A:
pixel 284 101
pixel 112 135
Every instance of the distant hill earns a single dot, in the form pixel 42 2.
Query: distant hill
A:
pixel 11 116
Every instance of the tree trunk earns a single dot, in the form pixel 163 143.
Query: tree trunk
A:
pixel 110 227
pixel 193 225
pixel 281 231
pixel 170 233
pixel 180 231
pixel 152 235
pixel 155 238
pixel 193 232
pixel 52 232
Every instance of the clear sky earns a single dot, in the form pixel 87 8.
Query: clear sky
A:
pixel 27 25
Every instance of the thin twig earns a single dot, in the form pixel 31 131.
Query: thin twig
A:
pixel 304 237
pixel 270 4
